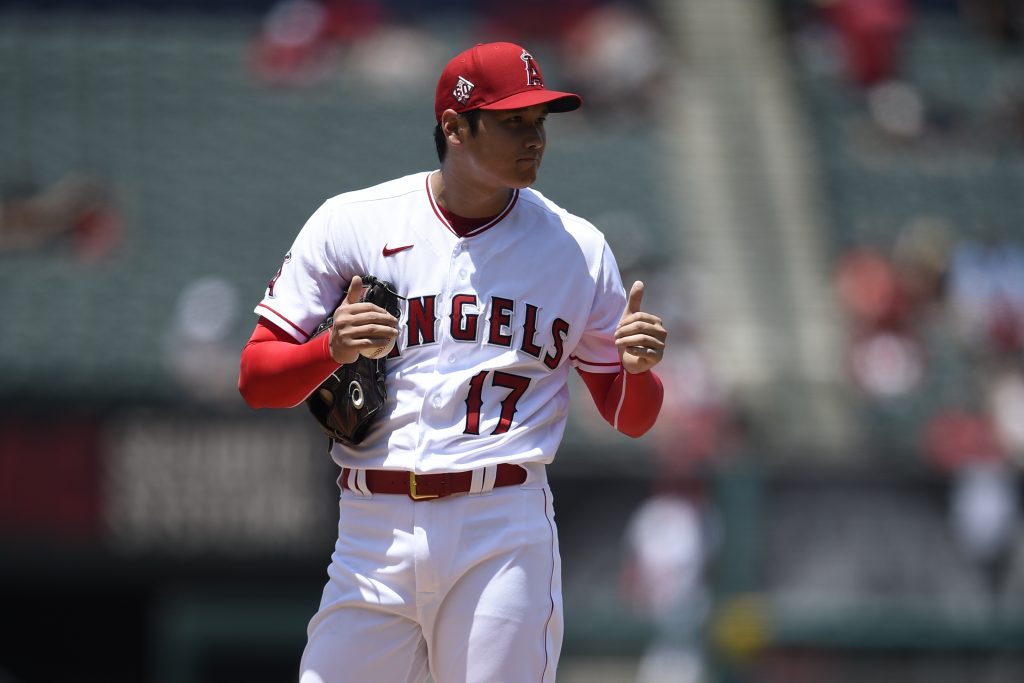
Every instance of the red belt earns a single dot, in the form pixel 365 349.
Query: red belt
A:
pixel 430 486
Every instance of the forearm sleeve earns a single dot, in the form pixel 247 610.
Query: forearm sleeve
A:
pixel 276 371
pixel 630 403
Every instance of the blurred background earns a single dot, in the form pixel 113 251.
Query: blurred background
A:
pixel 825 200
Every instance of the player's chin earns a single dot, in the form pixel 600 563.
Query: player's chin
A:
pixel 526 175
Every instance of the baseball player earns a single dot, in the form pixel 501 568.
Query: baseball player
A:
pixel 447 558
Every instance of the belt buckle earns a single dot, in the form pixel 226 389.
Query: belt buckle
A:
pixel 414 494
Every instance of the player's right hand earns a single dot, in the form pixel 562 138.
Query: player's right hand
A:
pixel 359 325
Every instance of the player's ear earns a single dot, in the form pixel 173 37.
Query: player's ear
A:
pixel 450 127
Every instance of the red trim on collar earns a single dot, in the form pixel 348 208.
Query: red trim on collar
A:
pixel 440 213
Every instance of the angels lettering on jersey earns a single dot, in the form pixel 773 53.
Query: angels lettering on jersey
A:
pixel 498 321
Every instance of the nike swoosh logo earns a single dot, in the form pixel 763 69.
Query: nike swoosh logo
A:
pixel 392 252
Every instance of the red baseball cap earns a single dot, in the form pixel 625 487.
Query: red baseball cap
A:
pixel 496 76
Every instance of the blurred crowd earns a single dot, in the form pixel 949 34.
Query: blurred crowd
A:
pixel 77 213
pixel 940 320
pixel 937 308
pixel 610 50
pixel 866 44
pixel 935 311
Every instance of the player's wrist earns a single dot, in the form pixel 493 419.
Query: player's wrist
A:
pixel 331 352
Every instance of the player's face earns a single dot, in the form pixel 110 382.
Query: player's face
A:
pixel 508 146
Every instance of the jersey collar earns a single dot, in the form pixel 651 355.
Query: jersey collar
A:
pixel 475 231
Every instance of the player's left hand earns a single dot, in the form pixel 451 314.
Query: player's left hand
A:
pixel 640 337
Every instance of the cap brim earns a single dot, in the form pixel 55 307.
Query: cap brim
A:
pixel 557 102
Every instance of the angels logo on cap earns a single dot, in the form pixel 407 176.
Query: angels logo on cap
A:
pixel 533 76
pixel 490 76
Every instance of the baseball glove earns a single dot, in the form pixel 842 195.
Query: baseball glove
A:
pixel 351 398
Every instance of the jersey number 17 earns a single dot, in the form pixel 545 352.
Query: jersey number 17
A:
pixel 517 386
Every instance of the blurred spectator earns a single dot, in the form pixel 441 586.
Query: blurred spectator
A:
pixel 616 56
pixel 897 109
pixel 872 290
pixel 1005 403
pixel 986 294
pixel 75 208
pixel 984 517
pixel 956 438
pixel 200 351
pixel 871 33
pixel 921 255
pixel 299 38
pixel 984 501
pixel 885 358
pixel 290 48
pixel 887 363
pixel 532 21
pixel 668 550
pixel 395 58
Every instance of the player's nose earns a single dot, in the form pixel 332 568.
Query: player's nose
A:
pixel 535 138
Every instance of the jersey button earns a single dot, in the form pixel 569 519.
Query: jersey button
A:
pixel 451 358
pixel 437 401
pixel 462 274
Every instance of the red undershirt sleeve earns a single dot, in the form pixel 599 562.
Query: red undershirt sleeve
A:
pixel 276 371
pixel 630 403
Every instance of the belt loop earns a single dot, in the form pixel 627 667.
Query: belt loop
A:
pixel 487 477
pixel 357 482
pixel 362 483
pixel 476 484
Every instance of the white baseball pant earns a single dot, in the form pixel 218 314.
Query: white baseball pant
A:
pixel 467 588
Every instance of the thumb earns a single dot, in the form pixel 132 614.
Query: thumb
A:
pixel 636 296
pixel 355 290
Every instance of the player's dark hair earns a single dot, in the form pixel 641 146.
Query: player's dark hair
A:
pixel 472 118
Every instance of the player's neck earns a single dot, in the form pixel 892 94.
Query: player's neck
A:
pixel 468 199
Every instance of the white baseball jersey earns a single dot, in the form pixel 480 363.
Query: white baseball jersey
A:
pixel 492 323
